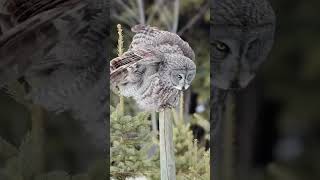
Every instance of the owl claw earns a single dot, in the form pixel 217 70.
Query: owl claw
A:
pixel 160 109
pixel 164 106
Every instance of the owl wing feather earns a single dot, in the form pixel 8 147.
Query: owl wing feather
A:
pixel 119 66
pixel 33 37
pixel 25 39
pixel 152 36
pixel 145 35
pixel 21 10
pixel 39 33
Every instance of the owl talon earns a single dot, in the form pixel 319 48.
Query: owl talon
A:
pixel 164 107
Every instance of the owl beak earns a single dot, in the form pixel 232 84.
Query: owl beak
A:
pixel 180 88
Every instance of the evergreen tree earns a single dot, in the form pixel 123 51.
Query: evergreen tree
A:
pixel 131 139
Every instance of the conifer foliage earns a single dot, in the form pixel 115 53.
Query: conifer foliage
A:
pixel 131 140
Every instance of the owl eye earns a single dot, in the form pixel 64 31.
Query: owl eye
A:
pixel 253 49
pixel 220 50
pixel 253 44
pixel 179 77
pixel 221 46
pixel 189 77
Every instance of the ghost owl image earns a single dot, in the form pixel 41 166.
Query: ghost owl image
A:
pixel 55 49
pixel 156 67
pixel 242 36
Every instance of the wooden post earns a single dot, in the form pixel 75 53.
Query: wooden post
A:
pixel 181 110
pixel 217 127
pixel 37 118
pixel 228 139
pixel 154 123
pixel 167 160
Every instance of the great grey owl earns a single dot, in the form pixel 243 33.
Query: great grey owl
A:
pixel 156 67
pixel 242 36
pixel 58 49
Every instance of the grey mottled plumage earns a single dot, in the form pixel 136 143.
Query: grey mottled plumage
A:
pixel 59 48
pixel 157 65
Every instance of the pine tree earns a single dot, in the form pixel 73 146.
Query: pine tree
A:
pixel 131 139
pixel 192 160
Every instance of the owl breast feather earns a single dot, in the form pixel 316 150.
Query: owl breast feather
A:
pixel 156 95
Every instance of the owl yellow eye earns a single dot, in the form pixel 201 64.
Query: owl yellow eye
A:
pixel 221 46
pixel 220 50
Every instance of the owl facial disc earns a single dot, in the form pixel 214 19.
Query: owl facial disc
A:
pixel 182 83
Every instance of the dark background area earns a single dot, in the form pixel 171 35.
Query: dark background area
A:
pixel 278 114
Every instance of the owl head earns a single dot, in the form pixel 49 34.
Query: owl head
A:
pixel 242 36
pixel 181 71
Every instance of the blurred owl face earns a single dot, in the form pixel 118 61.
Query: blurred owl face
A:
pixel 237 54
pixel 182 78
pixel 180 70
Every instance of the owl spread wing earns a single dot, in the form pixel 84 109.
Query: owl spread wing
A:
pixel 22 43
pixel 145 36
pixel 39 27
pixel 21 10
pixel 119 66
pixel 151 36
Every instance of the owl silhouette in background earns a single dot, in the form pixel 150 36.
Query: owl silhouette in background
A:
pixel 156 67
pixel 242 37
pixel 57 49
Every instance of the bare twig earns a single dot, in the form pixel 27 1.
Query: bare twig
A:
pixel 165 17
pixel 155 10
pixel 126 21
pixel 194 19
pixel 127 8
pixel 120 40
pixel 176 11
pixel 141 11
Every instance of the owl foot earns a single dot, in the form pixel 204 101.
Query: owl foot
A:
pixel 164 107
